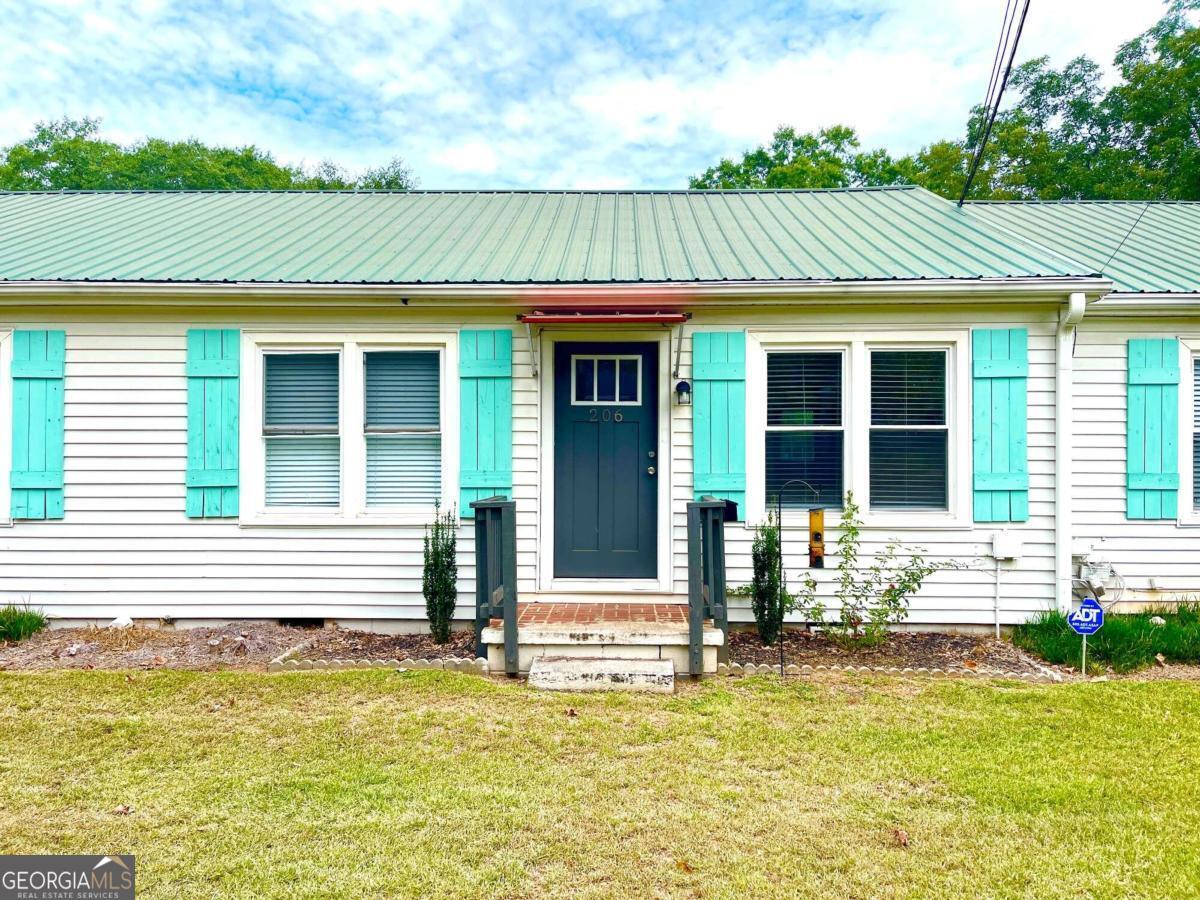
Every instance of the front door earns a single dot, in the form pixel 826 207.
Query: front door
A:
pixel 605 465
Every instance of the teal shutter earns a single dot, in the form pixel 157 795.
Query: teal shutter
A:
pixel 485 393
pixel 719 415
pixel 213 357
pixel 37 437
pixel 1152 429
pixel 999 427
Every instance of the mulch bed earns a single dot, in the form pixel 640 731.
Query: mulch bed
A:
pixel 241 645
pixel 339 644
pixel 903 649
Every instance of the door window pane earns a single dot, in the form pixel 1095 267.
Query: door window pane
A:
pixel 628 387
pixel 585 380
pixel 606 380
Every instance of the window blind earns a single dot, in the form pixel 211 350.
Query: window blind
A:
pixel 804 438
pixel 403 419
pixel 1196 433
pixel 300 421
pixel 301 392
pixel 909 436
pixel 303 470
pixel 403 389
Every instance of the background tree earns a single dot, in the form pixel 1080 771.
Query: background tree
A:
pixel 1065 136
pixel 69 154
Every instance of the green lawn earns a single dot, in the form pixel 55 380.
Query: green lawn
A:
pixel 383 784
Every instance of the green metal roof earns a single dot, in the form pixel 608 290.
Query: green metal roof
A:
pixel 1143 247
pixel 494 237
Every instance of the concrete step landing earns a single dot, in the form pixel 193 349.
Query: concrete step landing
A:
pixel 583 673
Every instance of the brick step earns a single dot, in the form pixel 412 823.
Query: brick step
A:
pixel 602 673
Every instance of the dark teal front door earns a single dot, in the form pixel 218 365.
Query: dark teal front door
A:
pixel 605 460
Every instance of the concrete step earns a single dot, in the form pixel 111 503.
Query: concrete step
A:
pixel 602 673
pixel 609 640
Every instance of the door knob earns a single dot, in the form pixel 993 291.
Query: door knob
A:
pixel 650 470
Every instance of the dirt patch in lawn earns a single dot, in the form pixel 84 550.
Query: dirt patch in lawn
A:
pixel 339 644
pixel 240 645
pixel 903 649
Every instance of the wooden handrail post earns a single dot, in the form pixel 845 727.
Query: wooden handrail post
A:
pixel 496 574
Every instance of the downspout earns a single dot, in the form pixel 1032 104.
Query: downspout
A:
pixel 1064 402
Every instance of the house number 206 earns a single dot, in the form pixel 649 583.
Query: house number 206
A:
pixel 595 415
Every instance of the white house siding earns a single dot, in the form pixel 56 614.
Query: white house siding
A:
pixel 964 597
pixel 1166 551
pixel 125 545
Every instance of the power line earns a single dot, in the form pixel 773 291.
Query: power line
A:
pixel 1003 50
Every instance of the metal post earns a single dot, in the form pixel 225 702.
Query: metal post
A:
pixel 783 488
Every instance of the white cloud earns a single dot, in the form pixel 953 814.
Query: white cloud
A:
pixel 506 93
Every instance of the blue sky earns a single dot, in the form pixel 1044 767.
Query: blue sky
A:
pixel 624 93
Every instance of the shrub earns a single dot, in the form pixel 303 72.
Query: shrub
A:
pixel 1128 641
pixel 20 622
pixel 439 583
pixel 765 586
pixel 770 599
pixel 874 598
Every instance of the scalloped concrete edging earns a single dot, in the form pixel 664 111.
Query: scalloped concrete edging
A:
pixel 286 662
pixel 738 669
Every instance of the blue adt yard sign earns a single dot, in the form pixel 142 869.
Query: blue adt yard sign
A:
pixel 1088 618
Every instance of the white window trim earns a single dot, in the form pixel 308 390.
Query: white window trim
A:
pixel 353 509
pixel 6 392
pixel 856 419
pixel 1189 353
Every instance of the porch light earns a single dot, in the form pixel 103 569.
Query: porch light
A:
pixel 683 394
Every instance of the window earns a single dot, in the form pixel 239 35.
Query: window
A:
pixel 804 437
pixel 348 427
pixel 606 380
pixel 1195 431
pixel 880 412
pixel 403 427
pixel 300 429
pixel 909 440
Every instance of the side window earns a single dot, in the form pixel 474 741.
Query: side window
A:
pixel 1195 432
pixel 301 433
pixel 805 437
pixel 909 432
pixel 402 423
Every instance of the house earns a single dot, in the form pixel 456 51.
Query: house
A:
pixel 246 404
pixel 1135 500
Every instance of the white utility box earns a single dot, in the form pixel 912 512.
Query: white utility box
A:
pixel 1006 545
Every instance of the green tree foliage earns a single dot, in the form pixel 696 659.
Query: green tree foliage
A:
pixel 1065 136
pixel 69 154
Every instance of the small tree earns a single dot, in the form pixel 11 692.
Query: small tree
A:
pixel 770 598
pixel 439 582
pixel 874 598
pixel 766 587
